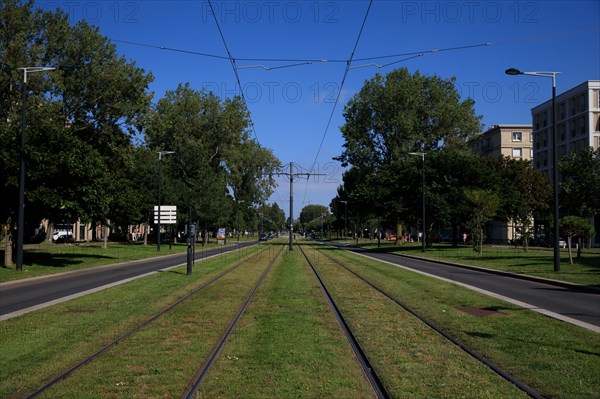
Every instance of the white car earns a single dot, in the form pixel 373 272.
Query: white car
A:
pixel 62 236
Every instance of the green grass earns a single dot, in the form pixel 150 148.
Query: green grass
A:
pixel 556 358
pixel 537 262
pixel 48 258
pixel 287 345
pixel 38 345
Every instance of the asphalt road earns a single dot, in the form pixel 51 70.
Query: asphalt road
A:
pixel 568 302
pixel 18 296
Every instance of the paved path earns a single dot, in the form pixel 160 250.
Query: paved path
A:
pixel 563 301
pixel 22 296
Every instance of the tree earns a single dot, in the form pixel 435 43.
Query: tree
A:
pixel 484 204
pixel 79 121
pixel 312 217
pixel 576 227
pixel 216 165
pixel 525 192
pixel 398 113
pixel 580 186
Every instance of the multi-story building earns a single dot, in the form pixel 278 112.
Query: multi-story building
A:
pixel 578 128
pixel 513 141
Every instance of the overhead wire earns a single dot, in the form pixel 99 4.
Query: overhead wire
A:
pixel 337 99
pixel 233 65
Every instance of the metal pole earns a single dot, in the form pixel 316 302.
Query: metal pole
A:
pixel 291 205
pixel 158 214
pixel 423 195
pixel 555 178
pixel 190 242
pixel 21 212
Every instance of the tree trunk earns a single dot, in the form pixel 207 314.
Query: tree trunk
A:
pixel 580 244
pixel 105 238
pixel 570 252
pixel 8 245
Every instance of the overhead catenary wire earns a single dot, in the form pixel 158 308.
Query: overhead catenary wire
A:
pixel 339 93
pixel 372 58
pixel 234 66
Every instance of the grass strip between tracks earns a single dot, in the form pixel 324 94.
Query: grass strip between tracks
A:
pixel 287 345
pixel 39 345
pixel 557 359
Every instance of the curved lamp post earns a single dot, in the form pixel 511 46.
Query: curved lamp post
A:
pixel 422 155
pixel 514 71
pixel 21 210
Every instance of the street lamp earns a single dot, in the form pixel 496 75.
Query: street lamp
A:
pixel 160 154
pixel 21 212
pixel 514 71
pixel 345 219
pixel 422 155
pixel 238 219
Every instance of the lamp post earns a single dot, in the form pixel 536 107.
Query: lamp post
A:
pixel 514 71
pixel 345 219
pixel 422 155
pixel 238 219
pixel 21 211
pixel 160 154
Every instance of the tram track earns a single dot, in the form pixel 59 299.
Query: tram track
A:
pixel 368 370
pixel 470 351
pixel 61 376
pixel 196 381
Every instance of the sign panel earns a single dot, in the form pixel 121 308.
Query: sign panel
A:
pixel 221 233
pixel 168 214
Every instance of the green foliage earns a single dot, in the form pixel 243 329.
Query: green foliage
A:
pixel 216 166
pixel 398 113
pixel 80 120
pixel 484 204
pixel 576 227
pixel 580 186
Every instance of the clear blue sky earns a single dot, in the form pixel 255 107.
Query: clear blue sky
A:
pixel 291 106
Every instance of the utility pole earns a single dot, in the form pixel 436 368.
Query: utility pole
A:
pixel 291 176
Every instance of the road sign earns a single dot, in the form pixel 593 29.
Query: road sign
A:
pixel 168 214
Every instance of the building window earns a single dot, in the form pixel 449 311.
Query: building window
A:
pixel 562 107
pixel 517 152
pixel 517 136
pixel 531 153
pixel 573 107
pixel 582 103
pixel 597 142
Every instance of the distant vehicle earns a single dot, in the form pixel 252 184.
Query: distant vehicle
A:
pixel 263 238
pixel 62 236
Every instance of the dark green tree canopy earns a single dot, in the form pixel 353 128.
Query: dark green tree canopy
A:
pixel 79 119
pixel 399 113
pixel 580 186
pixel 216 165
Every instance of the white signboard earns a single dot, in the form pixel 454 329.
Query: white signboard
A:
pixel 168 214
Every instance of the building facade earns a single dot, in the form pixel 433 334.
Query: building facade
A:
pixel 513 141
pixel 578 124
pixel 578 128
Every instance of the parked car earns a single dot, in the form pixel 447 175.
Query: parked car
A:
pixel 263 238
pixel 62 236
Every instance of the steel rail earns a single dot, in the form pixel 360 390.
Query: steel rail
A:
pixel 494 367
pixel 65 374
pixel 198 378
pixel 367 368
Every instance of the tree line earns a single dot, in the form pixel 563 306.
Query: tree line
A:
pixel 93 132
pixel 399 115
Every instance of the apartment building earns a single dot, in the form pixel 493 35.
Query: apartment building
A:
pixel 578 128
pixel 513 141
pixel 578 124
